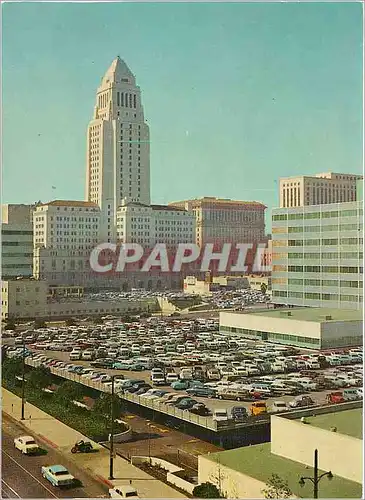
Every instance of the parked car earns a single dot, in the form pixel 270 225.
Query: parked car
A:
pixel 258 408
pixel 279 406
pixel 232 393
pixel 204 392
pixel 220 415
pixel 57 475
pixel 351 394
pixel 186 404
pixel 200 409
pixel 26 444
pixel 335 397
pixel 180 385
pixel 301 401
pixel 239 413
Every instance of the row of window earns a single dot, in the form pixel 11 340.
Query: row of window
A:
pixel 316 229
pixel 318 215
pixel 318 269
pixel 317 282
pixel 317 255
pixel 318 242
pixel 318 296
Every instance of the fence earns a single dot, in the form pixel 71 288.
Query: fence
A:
pixel 185 415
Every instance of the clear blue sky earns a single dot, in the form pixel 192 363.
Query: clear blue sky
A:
pixel 236 95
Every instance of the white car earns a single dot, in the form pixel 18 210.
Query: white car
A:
pixel 57 475
pixel 123 492
pixel 171 377
pixel 279 406
pixel 26 445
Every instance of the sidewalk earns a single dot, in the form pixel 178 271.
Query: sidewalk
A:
pixel 62 437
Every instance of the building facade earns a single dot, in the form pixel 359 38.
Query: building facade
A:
pixel 118 148
pixel 152 224
pixel 222 221
pixel 321 189
pixel 16 241
pixel 65 232
pixel 317 255
pixel 315 328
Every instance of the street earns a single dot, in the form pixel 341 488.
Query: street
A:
pixel 21 476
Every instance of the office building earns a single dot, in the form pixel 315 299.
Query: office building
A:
pixel 222 221
pixel 118 149
pixel 317 255
pixel 16 241
pixel 320 189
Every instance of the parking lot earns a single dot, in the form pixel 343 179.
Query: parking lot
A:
pixel 191 359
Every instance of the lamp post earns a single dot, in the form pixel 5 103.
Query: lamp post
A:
pixel 23 380
pixel 316 478
pixel 111 439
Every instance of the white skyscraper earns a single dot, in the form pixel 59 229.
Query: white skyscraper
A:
pixel 118 150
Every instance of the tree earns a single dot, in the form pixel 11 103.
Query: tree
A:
pixel 11 367
pixel 69 391
pixel 70 322
pixel 102 405
pixel 207 490
pixel 263 288
pixel 98 321
pixel 276 487
pixel 40 377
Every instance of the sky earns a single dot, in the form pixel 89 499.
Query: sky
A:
pixel 236 95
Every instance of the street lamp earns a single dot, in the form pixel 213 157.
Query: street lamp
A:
pixel 23 379
pixel 111 436
pixel 316 478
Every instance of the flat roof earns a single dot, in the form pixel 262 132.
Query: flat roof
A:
pixel 347 422
pixel 258 462
pixel 316 314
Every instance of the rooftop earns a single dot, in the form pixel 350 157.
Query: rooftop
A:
pixel 347 422
pixel 315 314
pixel 218 201
pixel 258 462
pixel 69 203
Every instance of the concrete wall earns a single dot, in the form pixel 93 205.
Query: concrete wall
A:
pixel 342 333
pixel 231 483
pixel 337 452
pixel 171 468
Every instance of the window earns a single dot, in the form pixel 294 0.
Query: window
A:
pixel 312 296
pixel 294 229
pixel 330 241
pixel 312 229
pixel 295 281
pixel 329 283
pixel 312 242
pixel 295 269
pixel 312 215
pixel 312 269
pixel 312 282
pixel 295 243
pixel 295 216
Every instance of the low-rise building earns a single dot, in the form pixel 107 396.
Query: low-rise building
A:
pixel 33 299
pixel 312 328
pixel 245 472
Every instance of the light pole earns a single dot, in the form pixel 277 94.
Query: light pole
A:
pixel 23 380
pixel 316 478
pixel 111 439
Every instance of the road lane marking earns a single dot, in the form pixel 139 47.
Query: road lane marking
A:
pixel 10 488
pixel 29 474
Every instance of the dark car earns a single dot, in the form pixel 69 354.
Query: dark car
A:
pixel 143 389
pixel 239 413
pixel 137 386
pixel 204 392
pixel 186 404
pixel 200 409
pixel 102 363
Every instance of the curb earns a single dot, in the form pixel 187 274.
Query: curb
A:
pixel 48 441
pixel 28 428
pixel 105 481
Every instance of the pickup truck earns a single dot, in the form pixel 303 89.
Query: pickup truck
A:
pixel 26 445
pixel 57 475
